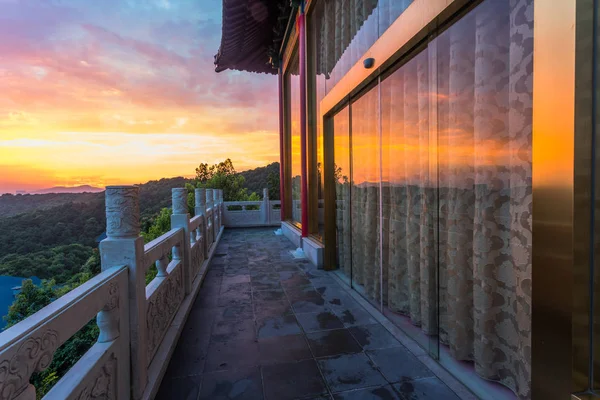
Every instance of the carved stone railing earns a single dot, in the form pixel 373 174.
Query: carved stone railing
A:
pixel 265 212
pixel 166 291
pixel 29 346
pixel 139 324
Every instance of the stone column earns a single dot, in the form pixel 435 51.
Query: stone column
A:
pixel 181 219
pixel 221 206
pixel 209 198
pixel 266 208
pixel 200 209
pixel 216 213
pixel 210 216
pixel 125 246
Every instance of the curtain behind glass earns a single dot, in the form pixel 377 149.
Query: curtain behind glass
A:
pixel 348 28
pixel 484 66
pixel 409 195
pixel 478 198
pixel 341 156
pixel 484 110
pixel 365 195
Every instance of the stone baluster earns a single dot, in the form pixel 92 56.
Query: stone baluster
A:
pixel 265 208
pixel 181 219
pixel 124 246
pixel 161 266
pixel 221 206
pixel 210 216
pixel 216 212
pixel 200 209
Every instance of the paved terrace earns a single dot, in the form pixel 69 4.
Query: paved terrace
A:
pixel 267 326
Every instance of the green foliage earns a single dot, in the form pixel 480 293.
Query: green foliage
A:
pixel 59 263
pixel 273 185
pixel 263 177
pixel 222 176
pixel 156 195
pixel 32 299
pixel 161 224
pixel 41 229
pixel 12 205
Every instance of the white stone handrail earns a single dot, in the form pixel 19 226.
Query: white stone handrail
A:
pixel 160 247
pixel 29 346
pixel 139 324
pixel 237 214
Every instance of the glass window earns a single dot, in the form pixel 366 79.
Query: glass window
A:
pixel 484 114
pixel 439 229
pixel 293 76
pixel 365 195
pixel 409 202
pixel 346 30
pixel 341 174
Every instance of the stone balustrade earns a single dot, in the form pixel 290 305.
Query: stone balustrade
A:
pixel 244 214
pixel 139 324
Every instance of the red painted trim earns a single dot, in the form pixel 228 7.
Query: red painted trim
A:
pixel 303 142
pixel 281 146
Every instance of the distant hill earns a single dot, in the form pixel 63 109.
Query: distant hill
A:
pixel 45 221
pixel 154 195
pixel 257 178
pixel 74 189
pixel 17 204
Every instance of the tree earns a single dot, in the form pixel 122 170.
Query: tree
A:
pixel 160 225
pixel 273 185
pixel 30 300
pixel 222 176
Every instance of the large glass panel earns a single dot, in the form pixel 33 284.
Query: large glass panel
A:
pixel 366 254
pixel 409 189
pixel 440 197
pixel 293 74
pixel 347 29
pixel 341 160
pixel 484 113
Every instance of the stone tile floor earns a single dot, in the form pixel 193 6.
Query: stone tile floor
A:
pixel 268 326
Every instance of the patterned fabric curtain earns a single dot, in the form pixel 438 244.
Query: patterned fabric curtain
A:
pixel 339 22
pixel 471 91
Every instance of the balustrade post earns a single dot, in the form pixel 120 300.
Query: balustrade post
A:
pixel 124 246
pixel 211 216
pixel 221 206
pixel 216 212
pixel 181 219
pixel 200 209
pixel 266 214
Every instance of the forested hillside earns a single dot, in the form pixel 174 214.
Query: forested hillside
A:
pixel 16 204
pixel 74 222
pixel 263 177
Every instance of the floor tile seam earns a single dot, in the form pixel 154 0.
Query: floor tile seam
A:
pixel 210 341
pixel 366 387
pixel 376 367
pixel 377 348
pixel 396 382
pixel 262 381
pixel 329 390
pixel 314 358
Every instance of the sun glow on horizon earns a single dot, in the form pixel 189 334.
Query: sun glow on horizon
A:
pixel 122 93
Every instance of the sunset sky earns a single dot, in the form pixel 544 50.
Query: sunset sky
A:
pixel 123 91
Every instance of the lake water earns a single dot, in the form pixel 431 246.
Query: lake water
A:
pixel 6 294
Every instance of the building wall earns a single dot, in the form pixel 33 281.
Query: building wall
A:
pixel 423 170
